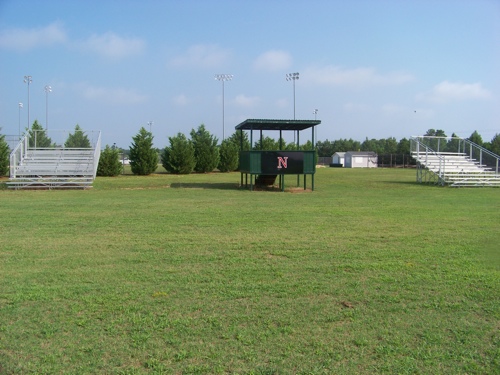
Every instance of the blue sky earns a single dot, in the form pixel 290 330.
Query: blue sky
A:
pixel 373 68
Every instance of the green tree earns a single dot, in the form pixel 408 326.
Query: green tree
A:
pixel 179 157
pixel 206 152
pixel 325 148
pixel 240 138
pixel 344 145
pixel 266 143
pixel 143 156
pixel 435 133
pixel 453 143
pixel 391 145
pixel 476 138
pixel 404 153
pixel 38 137
pixel 495 144
pixel 78 139
pixel 109 162
pixel 290 146
pixel 436 144
pixel 403 146
pixel 308 146
pixel 4 156
pixel 370 145
pixel 229 156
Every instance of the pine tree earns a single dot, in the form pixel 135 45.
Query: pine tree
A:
pixel 476 138
pixel 266 143
pixel 4 156
pixel 495 144
pixel 240 139
pixel 109 162
pixel 78 139
pixel 38 136
pixel 179 157
pixel 206 152
pixel 229 156
pixel 143 156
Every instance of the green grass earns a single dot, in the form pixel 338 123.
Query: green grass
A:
pixel 370 273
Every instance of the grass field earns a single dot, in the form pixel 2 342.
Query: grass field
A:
pixel 370 273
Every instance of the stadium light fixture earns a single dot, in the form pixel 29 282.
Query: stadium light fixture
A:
pixel 222 78
pixel 293 77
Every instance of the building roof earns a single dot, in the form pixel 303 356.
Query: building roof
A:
pixel 266 124
pixel 339 154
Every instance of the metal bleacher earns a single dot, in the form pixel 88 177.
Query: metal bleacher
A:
pixel 54 167
pixel 455 162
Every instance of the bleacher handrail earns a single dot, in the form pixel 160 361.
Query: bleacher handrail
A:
pixel 17 155
pixel 97 154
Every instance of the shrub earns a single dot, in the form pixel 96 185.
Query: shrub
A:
pixel 4 156
pixel 143 157
pixel 109 162
pixel 206 152
pixel 229 156
pixel 179 157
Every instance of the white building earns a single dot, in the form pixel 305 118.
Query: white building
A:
pixel 338 158
pixel 360 159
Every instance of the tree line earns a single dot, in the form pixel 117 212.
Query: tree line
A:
pixel 392 146
pixel 202 153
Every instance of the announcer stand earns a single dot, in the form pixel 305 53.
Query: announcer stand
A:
pixel 263 166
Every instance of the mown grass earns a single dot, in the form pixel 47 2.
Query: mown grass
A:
pixel 370 273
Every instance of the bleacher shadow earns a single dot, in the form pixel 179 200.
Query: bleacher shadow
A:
pixel 205 185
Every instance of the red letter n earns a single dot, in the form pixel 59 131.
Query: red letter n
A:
pixel 282 162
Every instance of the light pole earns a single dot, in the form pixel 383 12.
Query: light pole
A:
pixel 47 90
pixel 293 77
pixel 150 123
pixel 28 80
pixel 222 78
pixel 20 107
pixel 315 112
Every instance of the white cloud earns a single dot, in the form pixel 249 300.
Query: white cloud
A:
pixel 453 91
pixel 246 101
pixel 113 46
pixel 115 96
pixel 180 100
pixel 26 39
pixel 205 56
pixel 281 103
pixel 358 77
pixel 273 60
pixel 355 107
pixel 394 110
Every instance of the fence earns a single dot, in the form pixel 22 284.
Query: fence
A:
pixel 396 161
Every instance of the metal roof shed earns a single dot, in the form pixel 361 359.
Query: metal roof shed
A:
pixel 360 159
pixel 273 163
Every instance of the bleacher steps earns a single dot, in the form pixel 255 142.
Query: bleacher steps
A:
pixel 54 169
pixel 457 169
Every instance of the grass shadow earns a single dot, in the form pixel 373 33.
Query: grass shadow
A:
pixel 412 183
pixel 204 185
